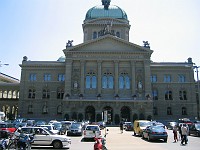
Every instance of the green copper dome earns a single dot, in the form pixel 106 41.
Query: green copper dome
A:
pixel 106 12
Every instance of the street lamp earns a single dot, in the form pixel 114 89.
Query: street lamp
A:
pixel 197 72
pixel 3 64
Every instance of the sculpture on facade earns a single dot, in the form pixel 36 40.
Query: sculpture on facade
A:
pixel 69 43
pixel 140 84
pixel 146 44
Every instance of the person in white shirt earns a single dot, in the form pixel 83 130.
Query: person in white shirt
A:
pixel 184 131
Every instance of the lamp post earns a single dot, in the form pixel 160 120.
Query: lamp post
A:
pixel 198 107
pixel 3 65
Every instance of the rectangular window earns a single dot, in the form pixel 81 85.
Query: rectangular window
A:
pixel 61 77
pixel 47 77
pixel 181 78
pixel 153 78
pixel 167 78
pixel 32 77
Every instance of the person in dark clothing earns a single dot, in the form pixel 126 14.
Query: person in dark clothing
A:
pixel 121 126
pixel 180 132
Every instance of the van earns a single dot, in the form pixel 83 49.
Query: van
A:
pixel 139 126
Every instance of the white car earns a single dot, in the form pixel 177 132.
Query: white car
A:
pixel 43 137
pixel 50 128
pixel 92 131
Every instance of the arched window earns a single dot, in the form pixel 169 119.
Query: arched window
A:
pixel 118 34
pixel 124 81
pixel 182 95
pixel 155 94
pixel 5 94
pixel 169 111
pixel 31 93
pixel 60 93
pixel 107 81
pixel 46 93
pixel 168 95
pixel 1 94
pixel 91 80
pixel 184 111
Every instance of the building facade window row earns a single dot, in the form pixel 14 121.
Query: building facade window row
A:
pixel 169 111
pixel 168 95
pixel 46 77
pixel 168 78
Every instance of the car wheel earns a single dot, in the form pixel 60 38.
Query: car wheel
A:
pixel 57 144
pixel 143 136
pixel 134 133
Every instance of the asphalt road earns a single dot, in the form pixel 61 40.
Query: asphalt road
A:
pixel 127 141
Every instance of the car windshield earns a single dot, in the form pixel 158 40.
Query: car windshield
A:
pixel 197 126
pixel 144 124
pixel 75 125
pixel 93 128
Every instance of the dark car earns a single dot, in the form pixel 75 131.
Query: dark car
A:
pixel 194 129
pixel 128 126
pixel 75 129
pixel 170 125
pixel 155 133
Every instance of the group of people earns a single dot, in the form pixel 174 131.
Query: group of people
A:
pixel 183 130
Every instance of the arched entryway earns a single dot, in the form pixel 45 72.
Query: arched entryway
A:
pixel 109 114
pixel 90 113
pixel 125 113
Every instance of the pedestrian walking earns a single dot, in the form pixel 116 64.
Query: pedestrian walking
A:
pixel 180 132
pixel 184 131
pixel 121 126
pixel 175 132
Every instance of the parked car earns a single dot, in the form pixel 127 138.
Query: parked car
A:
pixel 50 128
pixel 194 129
pixel 43 137
pixel 155 133
pixel 185 121
pixel 128 126
pixel 40 122
pixel 139 126
pixel 65 127
pixel 92 131
pixel 10 127
pixel 102 124
pixel 170 125
pixel 75 129
pixel 155 123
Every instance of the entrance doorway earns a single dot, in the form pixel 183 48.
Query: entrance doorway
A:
pixel 125 113
pixel 90 114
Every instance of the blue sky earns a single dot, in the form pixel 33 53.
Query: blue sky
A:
pixel 39 29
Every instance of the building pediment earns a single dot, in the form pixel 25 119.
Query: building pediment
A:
pixel 108 43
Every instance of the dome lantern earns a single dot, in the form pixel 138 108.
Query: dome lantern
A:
pixel 106 3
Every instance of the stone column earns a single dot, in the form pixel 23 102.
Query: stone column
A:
pixel 116 80
pixel 147 74
pixel 99 65
pixel 133 81
pixel 68 74
pixel 82 76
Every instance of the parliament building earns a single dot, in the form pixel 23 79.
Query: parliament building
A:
pixel 107 75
